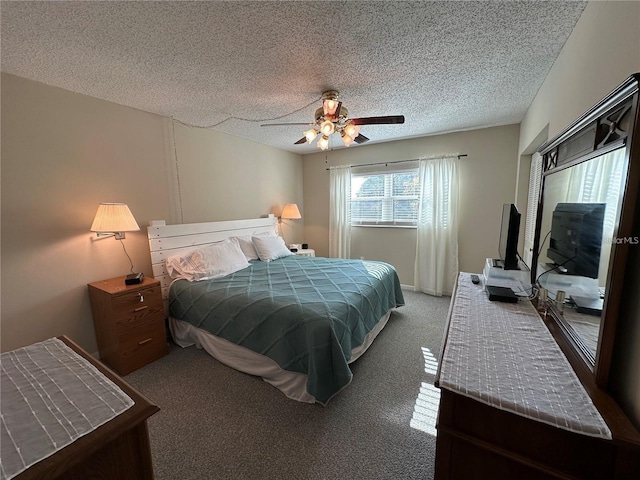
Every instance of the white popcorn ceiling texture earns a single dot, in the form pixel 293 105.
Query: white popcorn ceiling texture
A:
pixel 231 66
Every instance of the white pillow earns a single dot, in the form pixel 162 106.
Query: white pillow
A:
pixel 270 248
pixel 246 244
pixel 213 261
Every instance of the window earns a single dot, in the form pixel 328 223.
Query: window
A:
pixel 385 198
pixel 535 179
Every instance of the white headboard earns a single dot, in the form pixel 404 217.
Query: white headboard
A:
pixel 167 240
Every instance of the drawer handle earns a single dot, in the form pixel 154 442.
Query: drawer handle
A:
pixel 140 308
pixel 141 297
pixel 144 341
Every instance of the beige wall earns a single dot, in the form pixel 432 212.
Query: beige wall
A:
pixel 602 51
pixel 487 180
pixel 222 177
pixel 64 153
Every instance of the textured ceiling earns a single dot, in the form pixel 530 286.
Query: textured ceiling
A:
pixel 232 66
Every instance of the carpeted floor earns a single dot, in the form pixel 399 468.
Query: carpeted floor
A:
pixel 217 423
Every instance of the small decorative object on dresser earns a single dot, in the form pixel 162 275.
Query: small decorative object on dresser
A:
pixel 306 252
pixel 129 323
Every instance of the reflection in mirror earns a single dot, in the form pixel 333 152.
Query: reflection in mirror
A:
pixel 580 211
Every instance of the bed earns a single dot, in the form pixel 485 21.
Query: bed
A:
pixel 296 321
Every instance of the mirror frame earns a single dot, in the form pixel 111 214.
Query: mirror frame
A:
pixel 611 124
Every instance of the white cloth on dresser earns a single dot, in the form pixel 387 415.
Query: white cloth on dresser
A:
pixel 50 396
pixel 503 355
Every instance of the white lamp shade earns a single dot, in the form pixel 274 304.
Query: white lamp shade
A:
pixel 323 143
pixel 327 127
pixel 310 134
pixel 114 217
pixel 352 130
pixel 329 107
pixel 346 139
pixel 291 211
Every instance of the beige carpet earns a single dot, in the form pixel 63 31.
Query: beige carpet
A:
pixel 217 423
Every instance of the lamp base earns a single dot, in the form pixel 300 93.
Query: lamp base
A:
pixel 133 278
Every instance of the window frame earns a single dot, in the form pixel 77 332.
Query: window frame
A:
pixel 387 200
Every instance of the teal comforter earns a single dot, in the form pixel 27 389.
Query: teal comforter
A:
pixel 307 314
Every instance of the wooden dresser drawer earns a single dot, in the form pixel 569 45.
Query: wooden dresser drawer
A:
pixel 141 345
pixel 136 308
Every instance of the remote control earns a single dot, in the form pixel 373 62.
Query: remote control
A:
pixel 475 279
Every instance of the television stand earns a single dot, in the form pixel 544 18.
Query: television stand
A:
pixel 492 421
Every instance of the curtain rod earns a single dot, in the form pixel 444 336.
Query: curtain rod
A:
pixel 397 161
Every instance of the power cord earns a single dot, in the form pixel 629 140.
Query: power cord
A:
pixel 554 268
pixel 252 120
pixel 125 252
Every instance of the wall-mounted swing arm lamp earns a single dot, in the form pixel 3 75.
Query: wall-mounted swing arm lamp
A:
pixel 114 219
pixel 289 212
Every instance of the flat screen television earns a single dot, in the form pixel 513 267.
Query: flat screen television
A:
pixel 509 231
pixel 576 238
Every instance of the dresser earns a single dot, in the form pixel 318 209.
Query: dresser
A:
pixel 511 405
pixel 117 447
pixel 129 323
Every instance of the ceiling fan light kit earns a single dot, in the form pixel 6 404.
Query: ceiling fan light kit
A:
pixel 310 135
pixel 329 105
pixel 332 118
pixel 346 138
pixel 323 143
pixel 351 130
pixel 327 127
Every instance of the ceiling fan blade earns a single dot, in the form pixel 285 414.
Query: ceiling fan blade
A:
pixel 360 139
pixel 338 108
pixel 389 119
pixel 284 124
pixel 301 141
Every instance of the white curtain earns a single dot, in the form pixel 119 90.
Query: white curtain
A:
pixel 535 180
pixel 340 212
pixel 600 181
pixel 436 267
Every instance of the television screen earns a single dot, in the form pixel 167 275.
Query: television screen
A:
pixel 509 230
pixel 576 237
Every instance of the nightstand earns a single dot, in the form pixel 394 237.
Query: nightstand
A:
pixel 129 323
pixel 307 252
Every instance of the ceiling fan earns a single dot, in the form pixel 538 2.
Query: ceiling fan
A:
pixel 332 118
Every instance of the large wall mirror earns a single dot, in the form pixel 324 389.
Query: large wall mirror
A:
pixel 585 225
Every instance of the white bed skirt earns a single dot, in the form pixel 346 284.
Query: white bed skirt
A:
pixel 292 384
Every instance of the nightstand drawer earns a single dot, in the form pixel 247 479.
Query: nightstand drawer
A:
pixel 141 345
pixel 137 308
